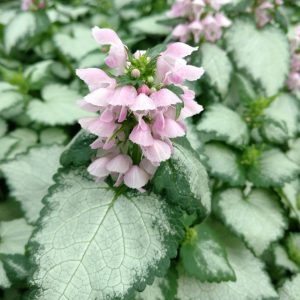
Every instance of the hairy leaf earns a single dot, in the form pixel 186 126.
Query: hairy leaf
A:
pixel 106 245
pixel 290 289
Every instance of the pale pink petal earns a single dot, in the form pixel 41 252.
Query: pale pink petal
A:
pixel 123 96
pixel 190 109
pixel 179 50
pixel 119 164
pixel 99 97
pixel 144 89
pixel 141 134
pixel 107 116
pixel 136 178
pixel 98 143
pixel 181 32
pixel 148 166
pixel 143 102
pixel 172 129
pixel 164 97
pixel 222 20
pixel 87 106
pixel 95 78
pixel 159 151
pixel 96 126
pixel 190 73
pixel 98 167
pixel 123 114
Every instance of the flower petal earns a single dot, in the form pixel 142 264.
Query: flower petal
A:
pixel 98 167
pixel 143 102
pixel 141 134
pixel 123 96
pixel 119 164
pixel 164 97
pixel 159 151
pixel 136 177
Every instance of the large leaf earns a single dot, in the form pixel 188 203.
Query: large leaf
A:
pixel 77 43
pixel 217 66
pixel 204 257
pixel 223 124
pixel 263 53
pixel 290 289
pixel 6 145
pixel 294 152
pixel 284 113
pixel 272 168
pixel 223 163
pixel 59 107
pixel 184 179
pixel 256 217
pixel 30 175
pixel 105 244
pixel 251 283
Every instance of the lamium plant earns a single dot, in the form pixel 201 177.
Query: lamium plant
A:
pixel 149 150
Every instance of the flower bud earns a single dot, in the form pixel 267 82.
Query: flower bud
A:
pixel 135 73
pixel 144 89
pixel 150 79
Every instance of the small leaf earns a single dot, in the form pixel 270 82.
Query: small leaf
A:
pixel 290 196
pixel 251 280
pixel 50 136
pixel 294 152
pixel 285 111
pixel 293 246
pixel 204 256
pixel 290 289
pixel 223 124
pixel 246 216
pixel 79 151
pixel 223 163
pixel 272 168
pixel 9 96
pixel 184 179
pixel 282 259
pixel 59 107
pixel 6 145
pixel 217 66
pixel 30 175
pixel 265 56
pixel 3 127
pixel 114 243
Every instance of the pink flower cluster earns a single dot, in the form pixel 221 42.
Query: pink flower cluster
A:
pixel 32 4
pixel 264 11
pixel 293 81
pixel 204 19
pixel 142 104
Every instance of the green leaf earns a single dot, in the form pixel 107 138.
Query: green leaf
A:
pixel 284 110
pixel 3 127
pixel 184 179
pixel 251 280
pixel 293 245
pixel 54 135
pixel 217 66
pixel 23 27
pixel 59 106
pixel 153 53
pixel 290 196
pixel 92 59
pixel 223 163
pixel 6 144
pixel 76 43
pixel 265 56
pixel 246 216
pixel 162 288
pixel 79 151
pixel 4 281
pixel 14 236
pixel 294 152
pixel 30 175
pixel 290 289
pixel 272 169
pixel 25 139
pixel 204 257
pixel 282 259
pixel 150 25
pixel 9 96
pixel 106 244
pixel 223 124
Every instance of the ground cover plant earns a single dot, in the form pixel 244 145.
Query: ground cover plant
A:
pixel 150 150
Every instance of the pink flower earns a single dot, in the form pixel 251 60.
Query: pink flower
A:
pixel 137 120
pixel 32 4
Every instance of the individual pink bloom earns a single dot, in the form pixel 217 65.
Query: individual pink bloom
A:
pixel 98 167
pixel 98 127
pixel 146 165
pixel 158 152
pixel 191 108
pixel 181 8
pixel 262 13
pixel 136 177
pixel 141 134
pixel 87 106
pixel 181 32
pixel 196 28
pixel 164 97
pixel 99 97
pixel 222 20
pixel 123 114
pixel 144 89
pixel 119 164
pixel 143 103
pixel 178 50
pixel 95 78
pixel 107 115
pixel 26 4
pixel 197 6
pixel 216 4
pixel 123 96
pixel 212 30
pixel 184 72
pixel 117 54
